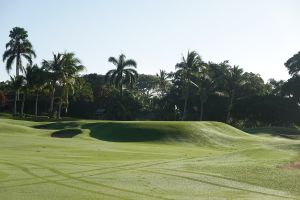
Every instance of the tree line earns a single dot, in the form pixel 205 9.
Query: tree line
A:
pixel 196 90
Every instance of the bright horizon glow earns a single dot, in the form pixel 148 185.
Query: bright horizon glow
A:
pixel 257 35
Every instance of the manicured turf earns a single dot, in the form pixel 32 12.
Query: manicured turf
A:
pixel 83 159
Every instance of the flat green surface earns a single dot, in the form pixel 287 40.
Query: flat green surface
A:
pixel 145 160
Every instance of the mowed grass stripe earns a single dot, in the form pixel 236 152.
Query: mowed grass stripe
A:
pixel 59 173
pixel 79 179
pixel 101 171
pixel 26 170
pixel 214 184
pixel 230 181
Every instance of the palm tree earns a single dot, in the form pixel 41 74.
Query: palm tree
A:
pixel 26 86
pixel 186 69
pixel 234 79
pixel 18 46
pixel 206 84
pixel 34 81
pixel 53 72
pixel 124 74
pixel 16 83
pixel 72 66
pixel 162 81
pixel 37 82
pixel 62 71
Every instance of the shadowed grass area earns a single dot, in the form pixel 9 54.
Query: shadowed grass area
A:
pixel 5 115
pixel 129 132
pixel 66 133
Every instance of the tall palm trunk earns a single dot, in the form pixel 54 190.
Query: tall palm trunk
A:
pixel 201 110
pixel 23 104
pixel 52 100
pixel 59 107
pixel 121 90
pixel 17 67
pixel 67 101
pixel 15 103
pixel 185 104
pixel 185 108
pixel 36 103
pixel 203 100
pixel 17 74
pixel 230 105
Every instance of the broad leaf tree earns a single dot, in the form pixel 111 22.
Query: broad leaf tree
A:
pixel 293 64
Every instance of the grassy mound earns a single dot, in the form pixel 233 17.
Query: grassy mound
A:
pixel 205 133
pixel 200 133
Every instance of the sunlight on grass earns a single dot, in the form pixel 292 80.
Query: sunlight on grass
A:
pixel 144 160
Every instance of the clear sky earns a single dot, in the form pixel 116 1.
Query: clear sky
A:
pixel 257 35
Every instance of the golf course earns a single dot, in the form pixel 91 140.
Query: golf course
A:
pixel 93 159
pixel 150 100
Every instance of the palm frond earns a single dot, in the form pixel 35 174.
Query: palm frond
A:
pixel 113 60
pixel 122 57
pixel 28 58
pixel 108 75
pixel 133 71
pixel 130 63
pixel 113 80
pixel 9 63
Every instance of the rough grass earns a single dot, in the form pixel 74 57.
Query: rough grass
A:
pixel 145 160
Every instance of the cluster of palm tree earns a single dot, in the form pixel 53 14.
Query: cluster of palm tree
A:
pixel 192 72
pixel 56 77
pixel 62 71
pixel 208 78
pixel 56 74
pixel 186 69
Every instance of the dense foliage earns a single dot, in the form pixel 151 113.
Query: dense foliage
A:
pixel 196 90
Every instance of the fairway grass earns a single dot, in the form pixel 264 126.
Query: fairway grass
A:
pixel 89 159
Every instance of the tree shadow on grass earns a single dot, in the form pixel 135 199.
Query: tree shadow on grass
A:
pixel 126 132
pixel 58 125
pixel 66 133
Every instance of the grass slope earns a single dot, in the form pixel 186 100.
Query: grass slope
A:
pixel 83 159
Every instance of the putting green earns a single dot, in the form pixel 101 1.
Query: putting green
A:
pixel 86 159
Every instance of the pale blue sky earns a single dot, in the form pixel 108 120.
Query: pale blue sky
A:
pixel 258 35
